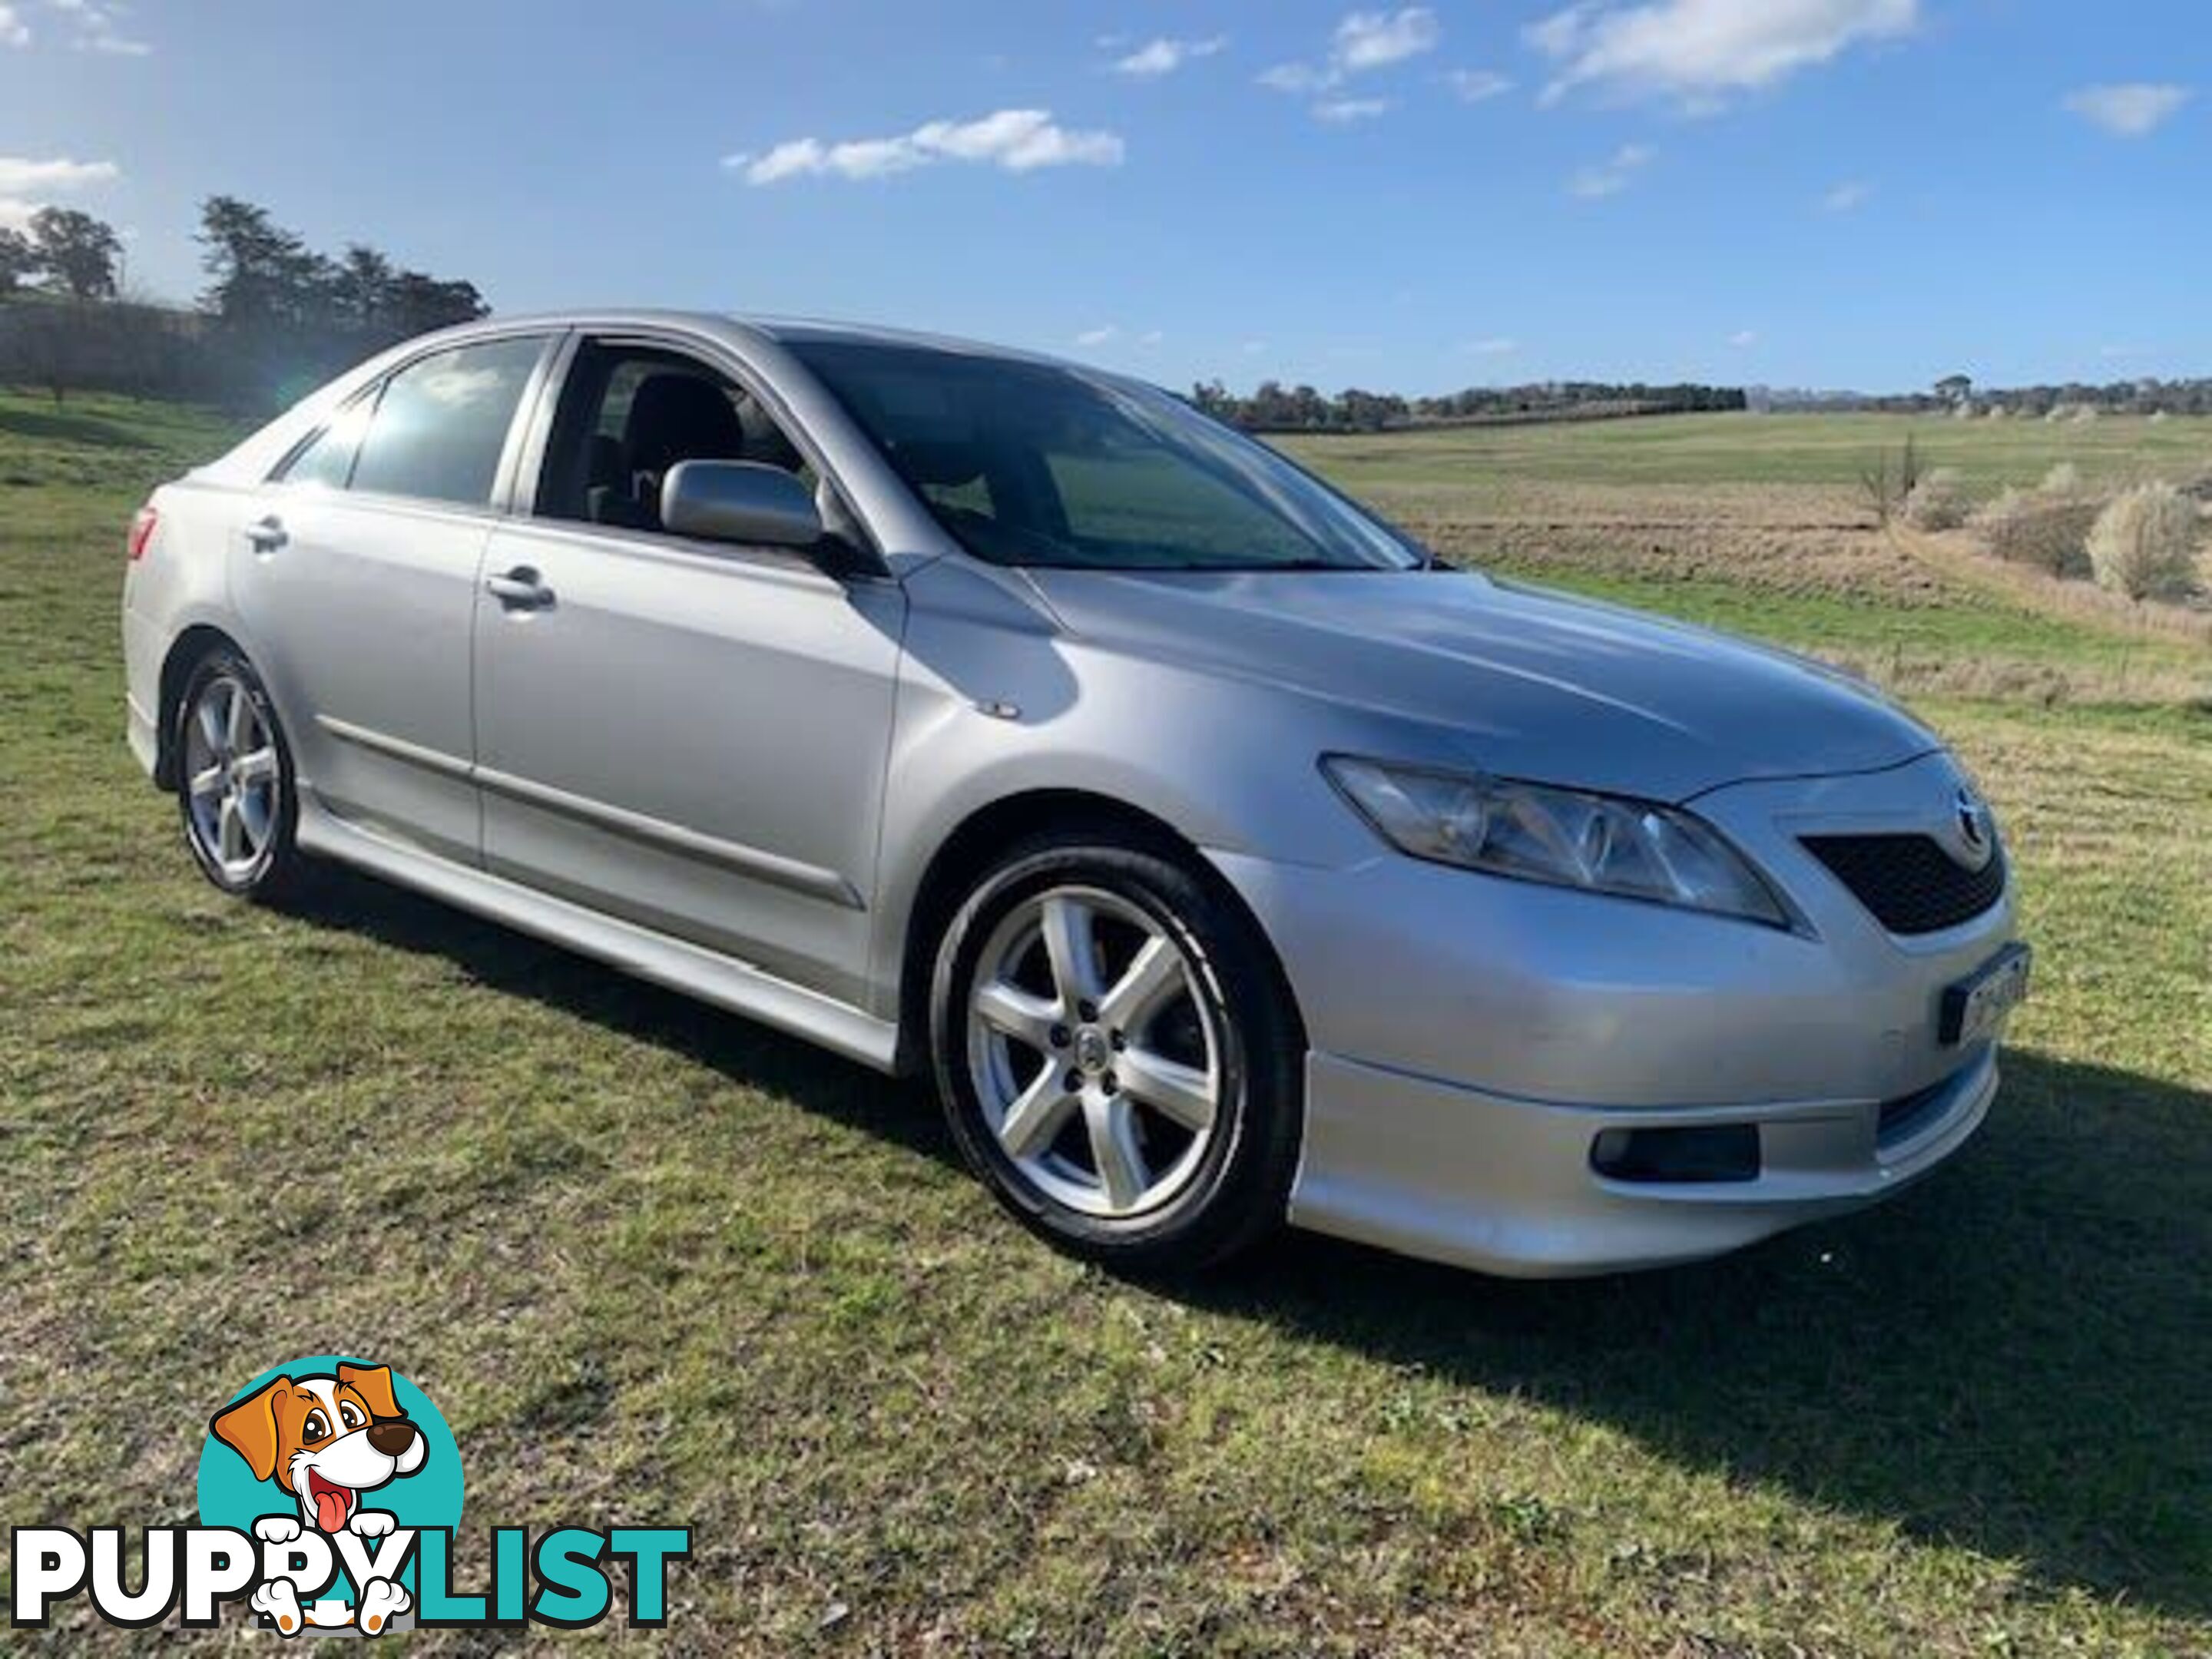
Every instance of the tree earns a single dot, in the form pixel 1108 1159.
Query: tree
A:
pixel 1955 388
pixel 18 260
pixel 362 286
pixel 77 252
pixel 263 274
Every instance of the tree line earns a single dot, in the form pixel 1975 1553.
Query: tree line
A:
pixel 276 318
pixel 1276 408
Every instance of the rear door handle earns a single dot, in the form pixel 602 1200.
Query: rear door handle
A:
pixel 267 535
pixel 520 589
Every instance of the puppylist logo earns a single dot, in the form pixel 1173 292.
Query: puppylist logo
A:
pixel 329 1493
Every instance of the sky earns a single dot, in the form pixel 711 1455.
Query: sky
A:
pixel 1834 193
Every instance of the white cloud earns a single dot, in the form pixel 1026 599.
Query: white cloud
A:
pixel 14 31
pixel 26 185
pixel 2128 109
pixel 1098 336
pixel 1371 39
pixel 1612 175
pixel 1344 111
pixel 1743 338
pixel 1847 197
pixel 1498 345
pixel 1166 55
pixel 98 25
pixel 1476 86
pixel 1254 347
pixel 1698 50
pixel 1151 336
pixel 1015 140
pixel 1363 41
pixel 21 176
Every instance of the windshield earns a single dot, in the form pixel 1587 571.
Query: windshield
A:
pixel 1031 463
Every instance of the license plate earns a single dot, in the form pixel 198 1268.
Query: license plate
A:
pixel 1976 1005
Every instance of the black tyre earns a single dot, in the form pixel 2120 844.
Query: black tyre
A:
pixel 236 793
pixel 1117 1054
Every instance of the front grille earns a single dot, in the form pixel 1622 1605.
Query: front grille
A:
pixel 1910 883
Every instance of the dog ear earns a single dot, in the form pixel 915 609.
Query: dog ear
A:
pixel 374 1382
pixel 249 1426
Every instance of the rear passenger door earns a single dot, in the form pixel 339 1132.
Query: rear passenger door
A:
pixel 355 572
pixel 690 735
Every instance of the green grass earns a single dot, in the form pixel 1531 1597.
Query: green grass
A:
pixel 1765 449
pixel 655 1262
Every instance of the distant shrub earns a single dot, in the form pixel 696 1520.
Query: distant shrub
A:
pixel 2062 479
pixel 2085 415
pixel 1938 501
pixel 2158 417
pixel 2046 531
pixel 2144 544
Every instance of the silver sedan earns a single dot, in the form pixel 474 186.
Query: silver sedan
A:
pixel 1221 858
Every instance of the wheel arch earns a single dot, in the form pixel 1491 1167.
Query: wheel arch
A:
pixel 186 651
pixel 975 845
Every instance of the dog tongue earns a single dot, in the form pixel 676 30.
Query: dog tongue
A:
pixel 330 1509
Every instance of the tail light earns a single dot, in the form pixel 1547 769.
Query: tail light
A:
pixel 141 533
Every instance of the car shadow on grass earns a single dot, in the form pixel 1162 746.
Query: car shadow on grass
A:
pixel 2013 1357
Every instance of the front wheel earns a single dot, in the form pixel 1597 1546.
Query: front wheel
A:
pixel 234 786
pixel 1117 1056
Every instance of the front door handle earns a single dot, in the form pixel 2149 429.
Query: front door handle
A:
pixel 267 535
pixel 520 589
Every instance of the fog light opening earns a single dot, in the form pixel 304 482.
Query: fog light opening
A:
pixel 1724 1151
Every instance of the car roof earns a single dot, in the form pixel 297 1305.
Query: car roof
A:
pixel 781 331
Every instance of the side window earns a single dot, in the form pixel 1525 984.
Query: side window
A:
pixel 629 414
pixel 442 423
pixel 327 457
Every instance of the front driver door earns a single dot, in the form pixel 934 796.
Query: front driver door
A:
pixel 689 735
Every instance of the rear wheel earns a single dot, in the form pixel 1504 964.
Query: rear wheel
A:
pixel 1117 1056
pixel 234 786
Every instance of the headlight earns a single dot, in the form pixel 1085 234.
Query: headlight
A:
pixel 1603 843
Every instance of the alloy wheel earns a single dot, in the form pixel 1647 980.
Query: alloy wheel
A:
pixel 1094 1046
pixel 231 777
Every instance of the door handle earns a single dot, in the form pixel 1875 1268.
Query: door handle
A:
pixel 520 589
pixel 267 535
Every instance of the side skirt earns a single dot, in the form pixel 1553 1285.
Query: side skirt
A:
pixel 722 981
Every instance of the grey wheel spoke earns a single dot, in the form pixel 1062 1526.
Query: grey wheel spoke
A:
pixel 1114 1149
pixel 1153 974
pixel 230 831
pixel 1036 1117
pixel 214 729
pixel 1016 1013
pixel 238 730
pixel 257 767
pixel 209 781
pixel 1069 941
pixel 1182 1092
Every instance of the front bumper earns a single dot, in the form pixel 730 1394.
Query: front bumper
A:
pixel 1471 1038
pixel 1436 1170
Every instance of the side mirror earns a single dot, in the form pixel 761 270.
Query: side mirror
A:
pixel 739 501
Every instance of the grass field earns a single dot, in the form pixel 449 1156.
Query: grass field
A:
pixel 657 1263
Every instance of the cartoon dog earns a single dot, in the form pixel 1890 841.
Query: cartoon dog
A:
pixel 325 1440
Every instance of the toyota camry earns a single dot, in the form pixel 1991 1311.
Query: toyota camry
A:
pixel 1220 858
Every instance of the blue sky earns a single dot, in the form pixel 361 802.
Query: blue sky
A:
pixel 1829 192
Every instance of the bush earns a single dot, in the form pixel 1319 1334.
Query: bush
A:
pixel 2144 544
pixel 2050 534
pixel 2063 479
pixel 1938 501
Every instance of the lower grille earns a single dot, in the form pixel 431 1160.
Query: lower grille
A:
pixel 1902 1118
pixel 1909 881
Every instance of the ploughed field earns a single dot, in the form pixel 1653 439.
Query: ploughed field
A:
pixel 656 1264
